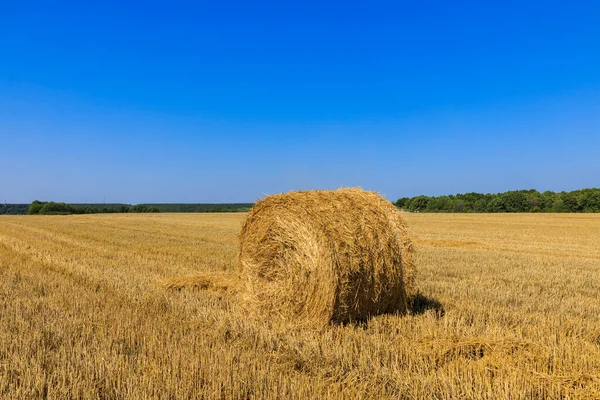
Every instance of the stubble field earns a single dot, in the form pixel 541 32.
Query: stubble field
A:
pixel 510 308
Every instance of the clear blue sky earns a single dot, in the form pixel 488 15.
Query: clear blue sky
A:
pixel 226 101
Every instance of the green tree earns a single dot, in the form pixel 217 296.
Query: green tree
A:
pixel 496 205
pixel 57 208
pixel 35 207
pixel 547 200
pixel 481 205
pixel 589 200
pixel 441 203
pixel 418 203
pixel 515 201
pixel 568 202
pixel 459 205
pixel 534 200
pixel 401 202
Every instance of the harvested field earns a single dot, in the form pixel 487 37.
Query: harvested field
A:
pixel 146 306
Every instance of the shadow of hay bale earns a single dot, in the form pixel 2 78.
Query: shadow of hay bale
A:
pixel 418 305
pixel 421 304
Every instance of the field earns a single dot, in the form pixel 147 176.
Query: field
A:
pixel 510 308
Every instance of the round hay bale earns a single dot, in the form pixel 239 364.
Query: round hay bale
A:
pixel 317 257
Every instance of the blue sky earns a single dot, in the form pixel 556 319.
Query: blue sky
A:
pixel 228 101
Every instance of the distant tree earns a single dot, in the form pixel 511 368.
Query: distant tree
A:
pixel 568 202
pixel 35 207
pixel 57 208
pixel 547 201
pixel 142 208
pixel 496 205
pixel 418 203
pixel 534 200
pixel 401 202
pixel 585 200
pixel 459 205
pixel 470 199
pixel 590 200
pixel 440 204
pixel 515 201
pixel 481 205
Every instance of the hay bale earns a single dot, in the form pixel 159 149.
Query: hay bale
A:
pixel 317 257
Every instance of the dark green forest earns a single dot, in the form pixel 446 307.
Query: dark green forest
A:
pixel 13 209
pixel 53 208
pixel 203 207
pixel 585 200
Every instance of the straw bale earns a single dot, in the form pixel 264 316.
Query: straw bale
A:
pixel 319 257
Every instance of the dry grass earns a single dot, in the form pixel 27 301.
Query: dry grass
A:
pixel 225 281
pixel 84 314
pixel 322 256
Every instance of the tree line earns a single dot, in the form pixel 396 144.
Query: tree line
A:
pixel 204 207
pixel 49 207
pixel 585 200
pixel 52 208
pixel 13 209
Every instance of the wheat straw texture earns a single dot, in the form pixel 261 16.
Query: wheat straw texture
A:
pixel 315 257
pixel 84 314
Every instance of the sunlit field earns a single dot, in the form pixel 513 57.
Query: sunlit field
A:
pixel 509 308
